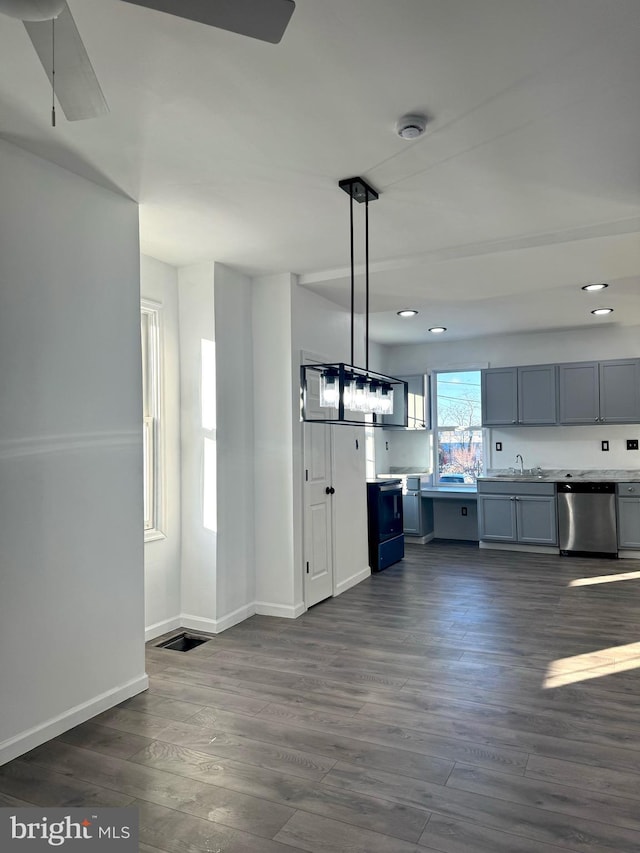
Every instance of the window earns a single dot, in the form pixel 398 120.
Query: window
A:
pixel 457 430
pixel 151 384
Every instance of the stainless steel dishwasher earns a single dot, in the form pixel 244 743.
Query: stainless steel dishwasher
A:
pixel 587 519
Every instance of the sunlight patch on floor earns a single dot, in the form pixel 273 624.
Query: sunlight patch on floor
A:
pixel 624 576
pixel 592 665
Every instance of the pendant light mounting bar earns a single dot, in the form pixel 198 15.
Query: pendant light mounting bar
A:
pixel 358 189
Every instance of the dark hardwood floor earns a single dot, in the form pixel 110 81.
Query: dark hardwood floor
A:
pixel 461 701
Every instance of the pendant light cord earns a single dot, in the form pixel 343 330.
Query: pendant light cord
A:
pixel 353 285
pixel 366 270
pixel 53 72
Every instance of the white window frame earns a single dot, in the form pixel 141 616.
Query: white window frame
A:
pixel 152 423
pixel 435 427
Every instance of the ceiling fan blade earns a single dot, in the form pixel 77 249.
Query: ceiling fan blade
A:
pixel 260 19
pixel 77 88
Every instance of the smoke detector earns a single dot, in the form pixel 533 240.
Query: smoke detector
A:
pixel 411 126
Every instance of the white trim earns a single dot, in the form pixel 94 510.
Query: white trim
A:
pixel 153 535
pixel 160 628
pixel 344 585
pixel 29 739
pixel 286 611
pixel 629 555
pixel 216 626
pixel 418 540
pixel 40 445
pixel 155 314
pixel 509 546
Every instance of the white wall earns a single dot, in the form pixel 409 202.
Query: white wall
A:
pixel 71 552
pixel 159 282
pixel 549 447
pixel 235 580
pixel 199 544
pixel 277 592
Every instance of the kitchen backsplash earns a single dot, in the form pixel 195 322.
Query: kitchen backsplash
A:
pixel 549 447
pixel 565 447
pixel 403 449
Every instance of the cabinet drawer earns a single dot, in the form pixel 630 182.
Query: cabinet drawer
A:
pixel 510 488
pixel 628 489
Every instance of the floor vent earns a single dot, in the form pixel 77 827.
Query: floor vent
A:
pixel 182 643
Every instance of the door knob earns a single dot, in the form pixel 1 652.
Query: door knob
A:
pixel 330 490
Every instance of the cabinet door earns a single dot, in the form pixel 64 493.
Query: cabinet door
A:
pixel 620 391
pixel 411 514
pixel 536 520
pixel 537 397
pixel 629 523
pixel 417 401
pixel 417 405
pixel 497 517
pixel 579 393
pixel 500 396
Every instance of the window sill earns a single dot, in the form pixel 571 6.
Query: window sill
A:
pixel 153 535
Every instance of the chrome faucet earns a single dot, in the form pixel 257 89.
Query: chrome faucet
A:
pixel 519 456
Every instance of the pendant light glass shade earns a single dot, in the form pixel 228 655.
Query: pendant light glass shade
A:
pixel 343 393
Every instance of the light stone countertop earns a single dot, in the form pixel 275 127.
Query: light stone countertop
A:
pixel 561 475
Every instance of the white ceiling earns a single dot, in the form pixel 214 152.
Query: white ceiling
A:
pixel 525 186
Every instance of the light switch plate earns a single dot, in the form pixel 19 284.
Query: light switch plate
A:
pixel 605 445
pixel 498 445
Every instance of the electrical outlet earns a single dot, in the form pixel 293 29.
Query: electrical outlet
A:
pixel 605 445
pixel 632 444
pixel 498 445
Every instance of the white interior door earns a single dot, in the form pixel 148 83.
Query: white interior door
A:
pixel 318 508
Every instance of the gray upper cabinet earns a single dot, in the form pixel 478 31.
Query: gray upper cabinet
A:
pixel 600 392
pixel 500 396
pixel 537 394
pixel 620 391
pixel 519 395
pixel 579 393
pixel 418 404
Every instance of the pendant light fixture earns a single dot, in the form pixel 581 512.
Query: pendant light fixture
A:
pixel 341 393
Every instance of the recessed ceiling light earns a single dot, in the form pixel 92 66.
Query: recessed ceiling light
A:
pixel 599 311
pixel 594 286
pixel 407 312
pixel 438 330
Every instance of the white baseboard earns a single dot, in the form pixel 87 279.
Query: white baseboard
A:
pixel 29 739
pixel 160 628
pixel 344 585
pixel 215 626
pixel 629 555
pixel 286 611
pixel 527 549
pixel 418 540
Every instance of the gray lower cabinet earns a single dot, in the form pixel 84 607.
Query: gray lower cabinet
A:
pixel 497 518
pixel 411 514
pixel 417 515
pixel 628 507
pixel 524 513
